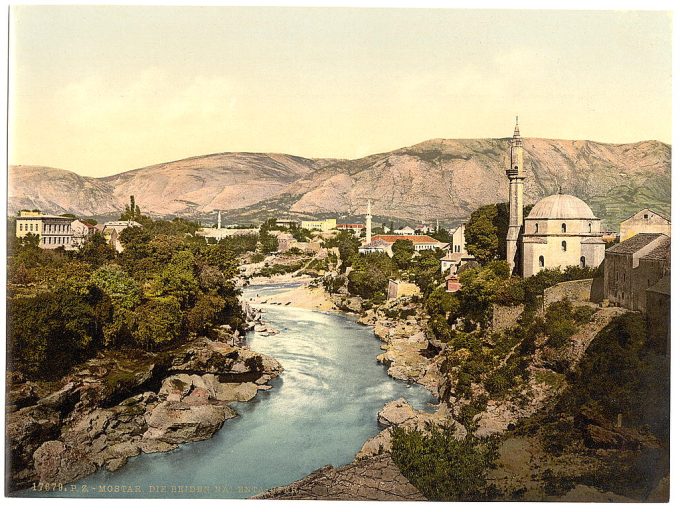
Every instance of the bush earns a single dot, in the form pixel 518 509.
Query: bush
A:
pixel 442 467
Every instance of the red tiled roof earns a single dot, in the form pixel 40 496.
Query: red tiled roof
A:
pixel 416 239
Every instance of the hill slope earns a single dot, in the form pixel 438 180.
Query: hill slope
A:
pixel 442 178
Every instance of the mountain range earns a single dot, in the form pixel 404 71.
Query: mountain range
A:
pixel 443 179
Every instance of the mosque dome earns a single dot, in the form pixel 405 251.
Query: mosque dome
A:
pixel 561 206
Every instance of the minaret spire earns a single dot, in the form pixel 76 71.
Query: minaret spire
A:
pixel 219 219
pixel 516 177
pixel 369 226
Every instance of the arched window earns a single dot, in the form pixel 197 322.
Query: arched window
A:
pixel 536 228
pixel 564 245
pixel 583 262
pixel 541 261
pixel 590 228
pixel 564 228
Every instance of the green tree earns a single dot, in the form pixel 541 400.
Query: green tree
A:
pixel 158 323
pixel 123 290
pixel 402 253
pixel 96 250
pixel 177 279
pixel 443 467
pixel 50 332
pixel 425 271
pixel 370 275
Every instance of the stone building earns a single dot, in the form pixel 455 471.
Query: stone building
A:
pixel 560 230
pixel 53 230
pixel 457 255
pixel 634 266
pixel 81 231
pixel 319 225
pixel 112 231
pixel 644 221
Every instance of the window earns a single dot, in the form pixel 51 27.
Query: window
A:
pixel 21 227
pixel 541 261
pixel 590 228
pixel 646 216
pixel 564 228
pixel 536 228
pixel 564 245
pixel 583 262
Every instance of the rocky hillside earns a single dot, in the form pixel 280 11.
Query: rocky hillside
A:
pixel 442 178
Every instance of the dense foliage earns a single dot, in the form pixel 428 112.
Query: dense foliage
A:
pixel 165 285
pixel 443 467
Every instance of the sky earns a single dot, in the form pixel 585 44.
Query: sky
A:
pixel 100 90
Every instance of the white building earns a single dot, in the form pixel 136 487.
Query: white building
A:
pixel 113 229
pixel 560 230
pixel 406 230
pixel 54 230
pixel 81 232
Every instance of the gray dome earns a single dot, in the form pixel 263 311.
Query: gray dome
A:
pixel 561 206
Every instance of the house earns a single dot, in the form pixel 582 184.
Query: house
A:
pixel 458 254
pixel 644 221
pixel 319 225
pixel 354 228
pixel 81 231
pixel 634 266
pixel 112 231
pixel 406 230
pixel 452 283
pixel 376 245
pixel 287 223
pixel 53 230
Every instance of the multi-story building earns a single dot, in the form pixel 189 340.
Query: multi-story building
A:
pixel 54 230
pixel 319 225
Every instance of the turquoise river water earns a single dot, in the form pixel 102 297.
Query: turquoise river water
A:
pixel 320 411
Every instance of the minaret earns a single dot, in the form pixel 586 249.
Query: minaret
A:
pixel 368 223
pixel 516 176
pixel 219 219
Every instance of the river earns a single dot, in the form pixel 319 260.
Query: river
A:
pixel 320 411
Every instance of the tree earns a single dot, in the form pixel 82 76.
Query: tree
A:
pixel 402 253
pixel 96 250
pixel 425 271
pixel 50 332
pixel 158 323
pixel 124 291
pixel 370 275
pixel 177 279
pixel 486 231
pixel 443 467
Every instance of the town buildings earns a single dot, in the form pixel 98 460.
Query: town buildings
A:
pixel 560 230
pixel 220 233
pixel 53 230
pixel 81 231
pixel 634 266
pixel 112 231
pixel 319 225
pixel 644 221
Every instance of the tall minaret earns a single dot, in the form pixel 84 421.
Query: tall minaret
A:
pixel 219 219
pixel 369 227
pixel 516 176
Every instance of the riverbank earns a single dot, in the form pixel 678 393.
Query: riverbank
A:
pixel 302 296
pixel 121 404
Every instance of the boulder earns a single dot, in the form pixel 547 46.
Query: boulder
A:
pixel 56 462
pixel 395 413
pixel 175 423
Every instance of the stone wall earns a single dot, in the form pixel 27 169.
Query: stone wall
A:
pixel 581 290
pixel 505 317
pixel 396 289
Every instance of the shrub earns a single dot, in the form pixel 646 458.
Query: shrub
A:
pixel 442 467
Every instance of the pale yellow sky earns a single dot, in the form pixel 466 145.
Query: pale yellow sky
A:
pixel 100 90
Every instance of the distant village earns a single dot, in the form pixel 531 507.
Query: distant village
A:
pixel 559 231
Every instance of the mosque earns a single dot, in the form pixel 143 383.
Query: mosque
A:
pixel 560 230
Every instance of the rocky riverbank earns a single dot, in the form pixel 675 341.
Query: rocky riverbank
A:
pixel 121 404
